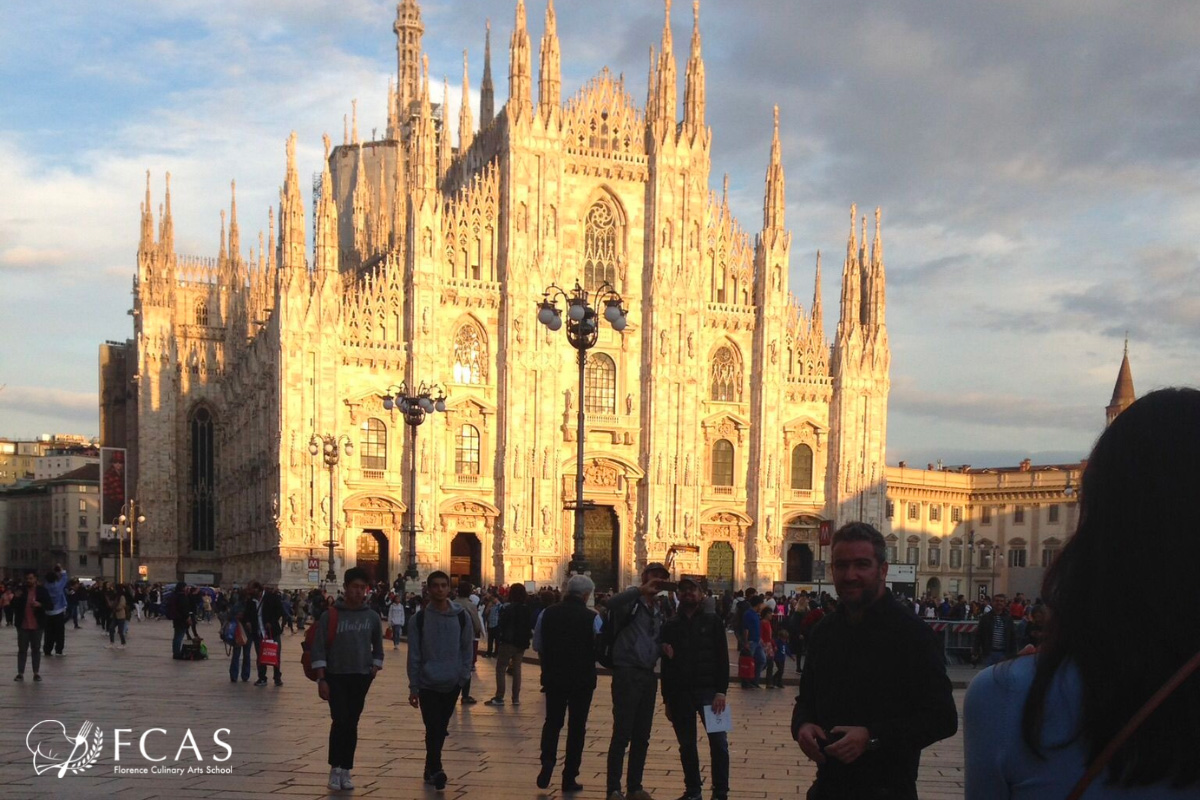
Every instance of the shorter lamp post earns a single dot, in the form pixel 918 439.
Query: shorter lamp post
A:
pixel 583 327
pixel 415 406
pixel 129 517
pixel 330 448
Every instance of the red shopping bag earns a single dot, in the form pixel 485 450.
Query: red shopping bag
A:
pixel 746 667
pixel 269 655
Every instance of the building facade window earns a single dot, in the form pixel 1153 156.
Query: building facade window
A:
pixel 985 515
pixel 935 513
pixel 955 556
pixel 83 559
pixel 1018 515
pixel 1016 557
pixel 890 509
pixel 470 355
pixel 893 550
pixel 467 457
pixel 600 243
pixel 726 376
pixel 722 463
pixel 83 541
pixel 1048 555
pixel 934 554
pixel 600 385
pixel 1052 513
pixel 956 514
pixel 914 511
pixel 802 467
pixel 202 481
pixel 914 554
pixel 374 445
pixel 201 312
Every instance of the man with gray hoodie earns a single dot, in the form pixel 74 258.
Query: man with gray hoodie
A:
pixel 439 665
pixel 345 666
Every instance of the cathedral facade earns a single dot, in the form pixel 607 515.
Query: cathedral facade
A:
pixel 722 428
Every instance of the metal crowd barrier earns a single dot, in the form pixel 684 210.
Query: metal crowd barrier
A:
pixel 958 638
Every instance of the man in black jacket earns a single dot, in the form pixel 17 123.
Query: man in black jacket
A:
pixel 874 690
pixel 29 605
pixel 265 614
pixel 565 639
pixel 695 674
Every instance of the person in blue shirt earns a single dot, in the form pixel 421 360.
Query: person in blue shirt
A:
pixel 750 632
pixel 1032 726
pixel 56 615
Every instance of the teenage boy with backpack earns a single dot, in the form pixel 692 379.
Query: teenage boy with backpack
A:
pixel 440 647
pixel 345 666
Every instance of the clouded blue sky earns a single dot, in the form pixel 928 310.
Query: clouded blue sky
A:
pixel 1038 165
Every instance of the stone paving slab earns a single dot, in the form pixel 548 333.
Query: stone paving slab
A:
pixel 279 735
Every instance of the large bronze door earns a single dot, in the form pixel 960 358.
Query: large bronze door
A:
pixel 371 555
pixel 720 566
pixel 600 546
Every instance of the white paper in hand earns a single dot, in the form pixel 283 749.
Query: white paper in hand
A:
pixel 715 723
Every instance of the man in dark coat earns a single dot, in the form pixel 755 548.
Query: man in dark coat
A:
pixel 565 639
pixel 995 637
pixel 265 615
pixel 865 735
pixel 29 604
pixel 695 674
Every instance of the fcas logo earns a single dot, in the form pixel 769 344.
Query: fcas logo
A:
pixel 54 749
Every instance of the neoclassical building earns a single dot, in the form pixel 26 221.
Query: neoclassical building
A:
pixel 721 426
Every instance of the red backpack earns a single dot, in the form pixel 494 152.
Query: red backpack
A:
pixel 309 636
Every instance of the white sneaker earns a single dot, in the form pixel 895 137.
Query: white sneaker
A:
pixel 335 778
pixel 346 783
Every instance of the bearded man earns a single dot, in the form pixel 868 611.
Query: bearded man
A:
pixel 874 690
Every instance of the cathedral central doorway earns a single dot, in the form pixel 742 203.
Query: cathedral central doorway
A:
pixel 466 558
pixel 601 541
pixel 371 555
pixel 799 563
pixel 720 566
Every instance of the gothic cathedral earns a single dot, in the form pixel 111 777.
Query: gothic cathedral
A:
pixel 722 428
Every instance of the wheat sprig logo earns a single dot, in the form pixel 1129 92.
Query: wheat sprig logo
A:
pixel 54 749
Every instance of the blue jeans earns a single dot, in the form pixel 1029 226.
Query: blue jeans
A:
pixel 118 626
pixel 760 659
pixel 177 641
pixel 243 654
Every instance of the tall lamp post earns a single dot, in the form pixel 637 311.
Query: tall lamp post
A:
pixel 583 326
pixel 129 517
pixel 330 448
pixel 970 563
pixel 415 406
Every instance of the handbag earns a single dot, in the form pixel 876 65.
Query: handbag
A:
pixel 269 654
pixel 1141 716
pixel 746 670
pixel 240 639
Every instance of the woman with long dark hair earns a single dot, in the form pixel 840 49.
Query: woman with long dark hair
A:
pixel 1034 725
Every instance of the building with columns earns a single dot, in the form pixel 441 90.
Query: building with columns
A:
pixel 981 531
pixel 722 427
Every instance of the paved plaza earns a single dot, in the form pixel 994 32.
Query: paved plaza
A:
pixel 278 736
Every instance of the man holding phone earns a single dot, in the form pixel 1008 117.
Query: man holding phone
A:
pixel 865 736
pixel 638 621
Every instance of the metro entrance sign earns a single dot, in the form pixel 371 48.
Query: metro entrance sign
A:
pixel 314 562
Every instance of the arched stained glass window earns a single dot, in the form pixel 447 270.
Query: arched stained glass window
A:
pixel 600 246
pixel 600 385
pixel 470 355
pixel 374 445
pixel 802 467
pixel 466 451
pixel 722 463
pixel 726 376
pixel 202 481
pixel 201 312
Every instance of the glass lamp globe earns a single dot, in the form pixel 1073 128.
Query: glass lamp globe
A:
pixel 546 313
pixel 576 311
pixel 619 323
pixel 556 323
pixel 440 405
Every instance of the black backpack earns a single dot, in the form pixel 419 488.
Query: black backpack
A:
pixel 607 640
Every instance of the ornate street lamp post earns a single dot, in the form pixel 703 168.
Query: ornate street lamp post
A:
pixel 583 326
pixel 415 406
pixel 129 517
pixel 330 448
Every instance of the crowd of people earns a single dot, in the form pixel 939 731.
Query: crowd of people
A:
pixel 1056 711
